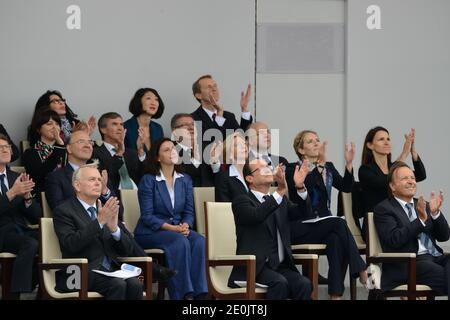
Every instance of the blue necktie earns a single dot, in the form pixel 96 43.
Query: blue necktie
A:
pixel 3 185
pixel 423 237
pixel 93 215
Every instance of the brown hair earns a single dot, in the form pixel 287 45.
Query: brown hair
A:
pixel 395 166
pixel 196 85
pixel 299 141
pixel 367 154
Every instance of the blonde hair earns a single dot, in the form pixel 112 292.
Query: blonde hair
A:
pixel 228 145
pixel 299 141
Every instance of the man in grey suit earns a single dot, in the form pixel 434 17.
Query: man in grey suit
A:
pixel 407 224
pixel 88 229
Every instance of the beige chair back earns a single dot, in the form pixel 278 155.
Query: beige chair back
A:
pixel 348 213
pixel 374 242
pixel 49 240
pixel 131 209
pixel 46 211
pixel 202 195
pixel 18 169
pixel 24 145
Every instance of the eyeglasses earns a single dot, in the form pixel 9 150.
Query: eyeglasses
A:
pixel 58 101
pixel 264 170
pixel 185 125
pixel 85 142
pixel 5 147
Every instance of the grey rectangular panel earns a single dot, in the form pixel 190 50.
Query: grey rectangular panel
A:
pixel 300 48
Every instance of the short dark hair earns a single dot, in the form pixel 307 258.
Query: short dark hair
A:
pixel 42 118
pixel 135 106
pixel 104 117
pixel 176 117
pixel 196 85
pixel 395 166
pixel 4 138
pixel 152 165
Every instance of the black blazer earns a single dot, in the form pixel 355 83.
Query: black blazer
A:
pixel 58 188
pixel 15 213
pixel 113 164
pixel 374 183
pixel 202 176
pixel 81 237
pixel 207 123
pixel 14 149
pixel 255 232
pixel 38 170
pixel 398 234
pixel 316 187
pixel 226 187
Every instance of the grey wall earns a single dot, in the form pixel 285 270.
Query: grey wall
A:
pixel 122 45
pixel 399 77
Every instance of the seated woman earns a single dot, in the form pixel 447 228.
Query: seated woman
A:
pixel 54 100
pixel 167 217
pixel 14 149
pixel 145 106
pixel 230 182
pixel 376 162
pixel 323 176
pixel 48 153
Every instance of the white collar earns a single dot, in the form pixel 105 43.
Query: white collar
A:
pixel 209 112
pixel 85 205
pixel 259 195
pixel 161 177
pixel 110 147
pixel 235 173
pixel 403 202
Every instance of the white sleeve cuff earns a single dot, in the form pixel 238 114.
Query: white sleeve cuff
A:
pixel 303 194
pixel 246 115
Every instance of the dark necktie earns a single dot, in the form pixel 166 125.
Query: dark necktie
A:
pixel 423 237
pixel 105 262
pixel 214 117
pixel 3 185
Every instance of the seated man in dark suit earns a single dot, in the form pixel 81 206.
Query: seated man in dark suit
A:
pixel 406 224
pixel 124 166
pixel 212 115
pixel 15 150
pixel 17 209
pixel 260 143
pixel 262 229
pixel 58 188
pixel 191 160
pixel 88 229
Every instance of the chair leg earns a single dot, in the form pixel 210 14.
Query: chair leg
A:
pixel 161 291
pixel 6 278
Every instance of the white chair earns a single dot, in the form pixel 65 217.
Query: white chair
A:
pixel 202 195
pixel 46 211
pixel 18 169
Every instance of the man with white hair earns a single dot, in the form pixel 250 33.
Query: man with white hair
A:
pixel 88 229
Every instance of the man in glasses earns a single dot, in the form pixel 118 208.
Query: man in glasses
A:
pixel 262 229
pixel 17 210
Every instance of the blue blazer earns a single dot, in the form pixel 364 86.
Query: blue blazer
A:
pixel 156 207
pixel 132 126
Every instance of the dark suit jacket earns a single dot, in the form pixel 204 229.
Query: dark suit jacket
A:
pixel 113 164
pixel 255 232
pixel 275 160
pixel 15 213
pixel 14 149
pixel 207 123
pixel 156 206
pixel 132 126
pixel 58 188
pixel 374 182
pixel 398 234
pixel 81 237
pixel 38 170
pixel 202 176
pixel 316 187
pixel 226 187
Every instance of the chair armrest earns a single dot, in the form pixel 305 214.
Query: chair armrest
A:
pixel 312 261
pixel 396 254
pixel 33 226
pixel 67 261
pixel 225 257
pixel 305 256
pixel 135 259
